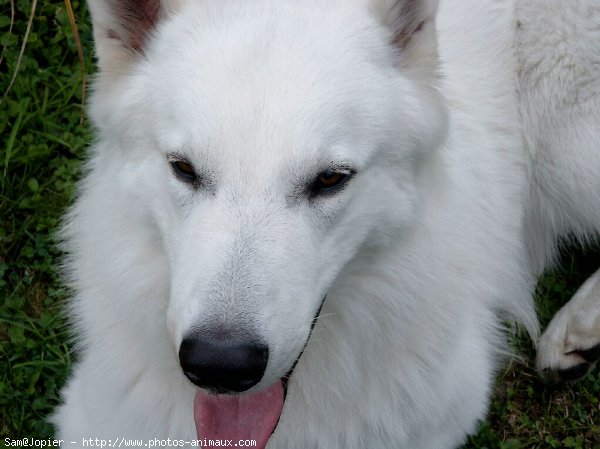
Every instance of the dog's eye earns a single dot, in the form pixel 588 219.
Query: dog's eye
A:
pixel 330 181
pixel 184 170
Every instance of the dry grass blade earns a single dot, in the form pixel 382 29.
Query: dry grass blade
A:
pixel 12 22
pixel 79 52
pixel 22 52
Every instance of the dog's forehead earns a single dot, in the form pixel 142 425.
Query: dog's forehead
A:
pixel 258 81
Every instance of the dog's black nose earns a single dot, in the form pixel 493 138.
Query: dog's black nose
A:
pixel 223 365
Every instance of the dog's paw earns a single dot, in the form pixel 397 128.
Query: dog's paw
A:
pixel 570 346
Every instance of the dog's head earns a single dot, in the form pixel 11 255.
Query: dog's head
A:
pixel 279 140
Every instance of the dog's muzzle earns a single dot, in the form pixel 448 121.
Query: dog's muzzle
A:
pixel 223 366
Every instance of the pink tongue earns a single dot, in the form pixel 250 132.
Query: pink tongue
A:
pixel 240 417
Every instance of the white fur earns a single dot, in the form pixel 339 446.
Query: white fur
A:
pixel 421 256
pixel 559 88
pixel 575 327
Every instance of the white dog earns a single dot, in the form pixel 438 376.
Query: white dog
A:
pixel 400 169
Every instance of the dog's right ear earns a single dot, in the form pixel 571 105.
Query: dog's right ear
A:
pixel 412 29
pixel 122 29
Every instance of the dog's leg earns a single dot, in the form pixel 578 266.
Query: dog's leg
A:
pixel 570 346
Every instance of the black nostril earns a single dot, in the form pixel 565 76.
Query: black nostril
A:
pixel 223 365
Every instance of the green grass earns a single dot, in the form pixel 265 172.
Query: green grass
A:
pixel 42 145
pixel 528 414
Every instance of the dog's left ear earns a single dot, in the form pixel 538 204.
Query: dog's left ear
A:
pixel 412 29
